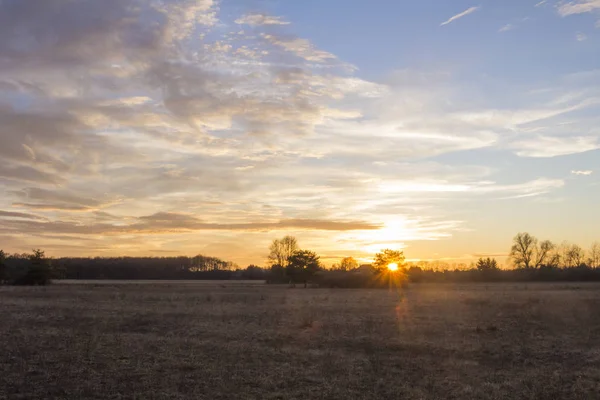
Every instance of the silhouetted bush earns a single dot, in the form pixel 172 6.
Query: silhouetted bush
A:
pixel 37 270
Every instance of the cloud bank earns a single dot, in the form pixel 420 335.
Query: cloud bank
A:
pixel 133 126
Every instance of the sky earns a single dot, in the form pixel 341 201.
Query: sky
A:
pixel 184 127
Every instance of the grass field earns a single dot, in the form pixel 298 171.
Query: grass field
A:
pixel 224 341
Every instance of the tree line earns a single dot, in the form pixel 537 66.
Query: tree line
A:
pixel 531 259
pixel 18 268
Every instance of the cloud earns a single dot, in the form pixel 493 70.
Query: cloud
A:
pixel 536 187
pixel 546 146
pixel 27 174
pixel 581 37
pixel 578 7
pixel 11 214
pixel 480 255
pixel 300 47
pixel 541 3
pixel 169 223
pixel 506 28
pixel 260 19
pixel 134 126
pixel 462 14
pixel 583 173
pixel 44 199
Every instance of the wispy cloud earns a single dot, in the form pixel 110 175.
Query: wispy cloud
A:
pixel 178 136
pixel 541 3
pixel 545 146
pixel 506 28
pixel 581 37
pixel 584 173
pixel 578 7
pixel 459 16
pixel 300 47
pixel 260 19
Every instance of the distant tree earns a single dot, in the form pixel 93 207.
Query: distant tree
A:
pixel 487 264
pixel 348 264
pixel 39 271
pixel 573 255
pixel 522 250
pixel 281 250
pixel 544 253
pixel 387 257
pixel 526 252
pixel 302 266
pixel 594 255
pixel 254 272
pixel 3 268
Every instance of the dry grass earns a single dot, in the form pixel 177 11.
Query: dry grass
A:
pixel 221 341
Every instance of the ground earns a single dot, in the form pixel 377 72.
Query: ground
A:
pixel 227 340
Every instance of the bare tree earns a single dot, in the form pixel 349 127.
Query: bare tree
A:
pixel 573 255
pixel 543 253
pixel 522 250
pixel 348 264
pixel 594 255
pixel 527 252
pixel 281 250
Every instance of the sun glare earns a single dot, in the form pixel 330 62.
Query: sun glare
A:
pixel 393 267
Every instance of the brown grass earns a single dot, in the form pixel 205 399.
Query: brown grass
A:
pixel 221 341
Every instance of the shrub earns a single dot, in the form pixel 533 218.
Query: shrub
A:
pixel 38 272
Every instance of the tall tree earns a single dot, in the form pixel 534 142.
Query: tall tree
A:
pixel 522 250
pixel 348 264
pixel 302 265
pixel 573 255
pixel 594 255
pixel 386 257
pixel 544 253
pixel 527 252
pixel 281 250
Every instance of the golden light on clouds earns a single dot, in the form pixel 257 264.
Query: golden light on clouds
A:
pixel 195 127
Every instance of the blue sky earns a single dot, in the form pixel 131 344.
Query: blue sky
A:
pixel 204 126
pixel 377 36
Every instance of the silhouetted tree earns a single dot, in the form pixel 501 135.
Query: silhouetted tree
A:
pixel 39 271
pixel 526 252
pixel 522 250
pixel 302 265
pixel 348 264
pixel 594 255
pixel 487 264
pixel 387 257
pixel 572 255
pixel 254 272
pixel 281 250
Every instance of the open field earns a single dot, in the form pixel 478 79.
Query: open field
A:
pixel 222 341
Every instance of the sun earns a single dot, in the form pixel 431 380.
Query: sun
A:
pixel 393 267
